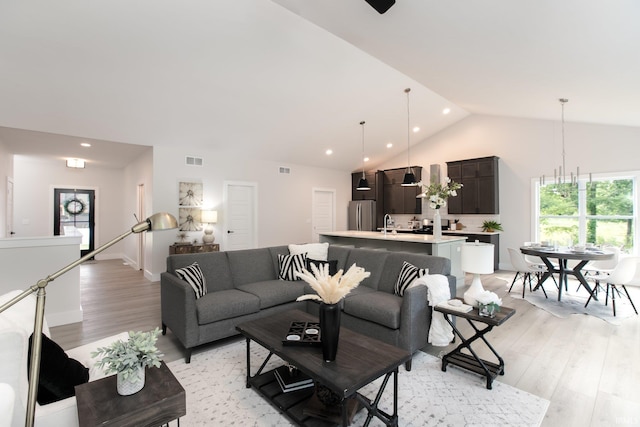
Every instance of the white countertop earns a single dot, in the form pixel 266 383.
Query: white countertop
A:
pixel 399 237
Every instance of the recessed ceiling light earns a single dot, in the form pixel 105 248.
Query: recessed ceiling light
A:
pixel 366 159
pixel 446 110
pixel 389 145
pixel 329 152
pixel 85 144
pixel 416 129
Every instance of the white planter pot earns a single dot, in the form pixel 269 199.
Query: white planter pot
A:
pixel 133 384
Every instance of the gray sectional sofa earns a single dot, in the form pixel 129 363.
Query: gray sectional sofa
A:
pixel 244 285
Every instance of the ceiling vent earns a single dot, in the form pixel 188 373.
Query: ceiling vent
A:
pixel 284 170
pixel 193 161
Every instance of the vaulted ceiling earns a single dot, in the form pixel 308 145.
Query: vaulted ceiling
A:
pixel 288 79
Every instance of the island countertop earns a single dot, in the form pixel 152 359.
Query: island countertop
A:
pixel 398 237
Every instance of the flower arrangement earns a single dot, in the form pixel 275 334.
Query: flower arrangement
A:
pixel 331 289
pixel 488 303
pixel 125 357
pixel 438 193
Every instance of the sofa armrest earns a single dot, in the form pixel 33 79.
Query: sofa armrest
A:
pixel 415 317
pixel 178 309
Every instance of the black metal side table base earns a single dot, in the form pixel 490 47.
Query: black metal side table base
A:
pixel 472 362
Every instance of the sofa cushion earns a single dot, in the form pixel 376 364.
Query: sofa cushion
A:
pixel 214 266
pixel 372 261
pixel 379 307
pixel 340 254
pixel 59 374
pixel 251 265
pixel 274 292
pixel 194 277
pixel 395 260
pixel 317 251
pixel 225 304
pixel 290 265
pixel 408 273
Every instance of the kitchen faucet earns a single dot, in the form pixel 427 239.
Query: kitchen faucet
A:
pixel 386 217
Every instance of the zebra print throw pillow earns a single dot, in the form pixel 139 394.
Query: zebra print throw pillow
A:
pixel 194 277
pixel 408 273
pixel 290 265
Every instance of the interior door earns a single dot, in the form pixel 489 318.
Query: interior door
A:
pixel 240 201
pixel 74 214
pixel 323 212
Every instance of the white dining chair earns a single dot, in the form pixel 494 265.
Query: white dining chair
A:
pixel 524 271
pixel 623 274
pixel 598 271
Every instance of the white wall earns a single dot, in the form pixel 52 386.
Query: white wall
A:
pixel 34 181
pixel 527 149
pixel 284 201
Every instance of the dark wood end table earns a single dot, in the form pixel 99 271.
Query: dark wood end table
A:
pixel 472 362
pixel 161 400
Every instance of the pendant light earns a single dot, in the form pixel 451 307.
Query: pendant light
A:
pixel 363 185
pixel 409 178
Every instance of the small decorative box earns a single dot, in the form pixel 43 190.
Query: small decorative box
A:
pixel 303 333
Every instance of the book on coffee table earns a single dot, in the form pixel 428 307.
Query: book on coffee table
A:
pixel 291 380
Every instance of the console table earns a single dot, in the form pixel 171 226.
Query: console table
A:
pixel 473 362
pixel 360 361
pixel 193 249
pixel 162 399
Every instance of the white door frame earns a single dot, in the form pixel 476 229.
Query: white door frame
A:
pixel 225 210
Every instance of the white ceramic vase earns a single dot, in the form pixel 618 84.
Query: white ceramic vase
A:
pixel 133 384
pixel 437 226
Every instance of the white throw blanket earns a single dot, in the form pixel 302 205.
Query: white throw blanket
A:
pixel 440 332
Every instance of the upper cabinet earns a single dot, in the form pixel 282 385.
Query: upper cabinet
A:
pixel 398 199
pixel 372 177
pixel 479 194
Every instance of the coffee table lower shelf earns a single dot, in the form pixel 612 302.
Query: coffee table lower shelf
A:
pixel 297 404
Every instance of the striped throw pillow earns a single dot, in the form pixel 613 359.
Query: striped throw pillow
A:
pixel 290 265
pixel 194 277
pixel 408 273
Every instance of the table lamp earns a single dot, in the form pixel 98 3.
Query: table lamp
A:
pixel 477 259
pixel 156 222
pixel 209 217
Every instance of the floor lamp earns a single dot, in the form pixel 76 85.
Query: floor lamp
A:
pixel 156 222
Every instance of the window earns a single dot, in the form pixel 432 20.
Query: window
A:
pixel 600 211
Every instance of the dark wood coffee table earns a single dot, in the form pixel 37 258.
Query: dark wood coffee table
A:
pixel 360 360
pixel 161 400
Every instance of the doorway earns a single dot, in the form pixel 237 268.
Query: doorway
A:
pixel 240 213
pixel 323 217
pixel 74 214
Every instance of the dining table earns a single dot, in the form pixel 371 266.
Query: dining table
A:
pixel 563 255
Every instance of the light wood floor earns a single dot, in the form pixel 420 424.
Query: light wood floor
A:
pixel 588 368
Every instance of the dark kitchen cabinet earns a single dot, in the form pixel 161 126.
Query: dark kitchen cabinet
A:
pixel 479 194
pixel 371 177
pixel 398 199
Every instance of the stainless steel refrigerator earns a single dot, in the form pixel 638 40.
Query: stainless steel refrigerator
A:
pixel 362 215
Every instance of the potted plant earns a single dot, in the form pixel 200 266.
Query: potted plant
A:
pixel 128 359
pixel 491 226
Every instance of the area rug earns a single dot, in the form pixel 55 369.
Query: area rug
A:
pixel 216 395
pixel 573 301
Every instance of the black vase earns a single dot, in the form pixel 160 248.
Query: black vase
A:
pixel 330 330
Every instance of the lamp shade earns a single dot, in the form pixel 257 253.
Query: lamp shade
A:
pixel 209 217
pixel 409 180
pixel 477 258
pixel 363 184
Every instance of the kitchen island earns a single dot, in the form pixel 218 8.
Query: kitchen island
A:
pixel 447 246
